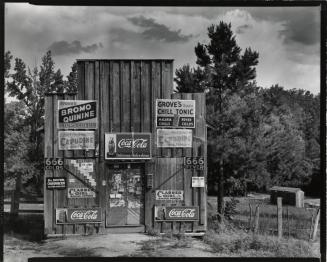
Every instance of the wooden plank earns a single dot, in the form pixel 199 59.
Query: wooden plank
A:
pixel 57 194
pixel 146 97
pixel 115 77
pixel 48 152
pixel 104 127
pixel 126 97
pixel 148 199
pixel 80 95
pixel 177 152
pixel 279 217
pixel 136 96
pixel 155 87
pixel 165 93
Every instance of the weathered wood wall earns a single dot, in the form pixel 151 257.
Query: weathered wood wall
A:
pixel 126 91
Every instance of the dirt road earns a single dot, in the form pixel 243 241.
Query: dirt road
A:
pixel 111 245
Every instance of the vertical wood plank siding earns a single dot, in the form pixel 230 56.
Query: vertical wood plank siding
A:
pixel 126 91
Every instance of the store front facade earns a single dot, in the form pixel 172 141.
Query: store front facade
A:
pixel 131 152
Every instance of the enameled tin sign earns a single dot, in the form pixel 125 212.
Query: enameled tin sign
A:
pixel 76 140
pixel 127 146
pixel 172 113
pixel 169 194
pixel 56 183
pixel 174 138
pixel 190 213
pixel 77 114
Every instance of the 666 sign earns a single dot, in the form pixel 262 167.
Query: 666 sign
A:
pixel 194 163
pixel 53 163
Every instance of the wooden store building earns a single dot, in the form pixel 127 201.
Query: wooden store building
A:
pixel 125 152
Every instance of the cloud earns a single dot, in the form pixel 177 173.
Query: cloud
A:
pixel 75 47
pixel 158 31
pixel 241 29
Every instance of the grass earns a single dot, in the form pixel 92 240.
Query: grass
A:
pixel 228 240
pixel 296 226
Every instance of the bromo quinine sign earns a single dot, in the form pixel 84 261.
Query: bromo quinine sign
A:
pixel 77 114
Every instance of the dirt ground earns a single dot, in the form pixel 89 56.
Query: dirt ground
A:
pixel 110 245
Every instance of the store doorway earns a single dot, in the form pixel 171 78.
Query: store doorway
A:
pixel 125 195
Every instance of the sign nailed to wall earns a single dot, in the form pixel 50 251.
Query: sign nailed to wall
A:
pixel 76 140
pixel 182 213
pixel 127 145
pixel 169 194
pixel 174 138
pixel 77 114
pixel 78 215
pixel 175 113
pixel 56 182
pixel 53 163
pixel 198 181
pixel 196 163
pixel 80 192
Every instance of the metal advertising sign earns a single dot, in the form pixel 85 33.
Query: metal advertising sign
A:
pixel 53 163
pixel 77 114
pixel 82 168
pixel 182 213
pixel 127 146
pixel 198 181
pixel 78 215
pixel 80 192
pixel 56 182
pixel 174 138
pixel 76 140
pixel 175 113
pixel 169 194
pixel 194 163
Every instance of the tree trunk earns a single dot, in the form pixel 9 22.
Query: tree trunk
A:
pixel 220 196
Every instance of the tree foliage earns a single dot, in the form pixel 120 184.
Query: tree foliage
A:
pixel 263 137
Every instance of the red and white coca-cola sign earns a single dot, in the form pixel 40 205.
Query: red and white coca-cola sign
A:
pixel 127 146
pixel 89 215
pixel 182 213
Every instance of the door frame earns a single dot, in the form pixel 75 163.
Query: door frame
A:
pixel 124 166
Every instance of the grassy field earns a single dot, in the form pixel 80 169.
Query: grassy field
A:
pixel 296 221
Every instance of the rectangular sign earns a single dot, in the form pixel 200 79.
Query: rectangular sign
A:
pixel 77 114
pixel 80 192
pixel 189 213
pixel 53 163
pixel 127 145
pixel 78 215
pixel 169 194
pixel 198 181
pixel 76 140
pixel 175 113
pixel 196 163
pixel 174 138
pixel 56 182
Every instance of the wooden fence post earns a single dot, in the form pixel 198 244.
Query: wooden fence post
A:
pixel 315 227
pixel 15 197
pixel 279 217
pixel 256 219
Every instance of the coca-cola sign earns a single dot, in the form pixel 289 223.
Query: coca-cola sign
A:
pixel 127 146
pixel 88 215
pixel 182 213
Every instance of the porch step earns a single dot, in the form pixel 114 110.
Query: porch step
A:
pixel 126 229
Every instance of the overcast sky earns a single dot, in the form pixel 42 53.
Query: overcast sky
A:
pixel 287 38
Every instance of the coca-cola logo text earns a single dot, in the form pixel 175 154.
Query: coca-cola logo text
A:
pixel 84 215
pixel 186 213
pixel 133 143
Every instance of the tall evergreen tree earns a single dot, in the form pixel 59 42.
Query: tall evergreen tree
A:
pixel 224 71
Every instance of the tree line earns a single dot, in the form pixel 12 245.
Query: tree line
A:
pixel 257 138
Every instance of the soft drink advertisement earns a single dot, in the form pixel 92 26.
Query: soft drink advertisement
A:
pixel 182 213
pixel 88 215
pixel 127 145
pixel 175 113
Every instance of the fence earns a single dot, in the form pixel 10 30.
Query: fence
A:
pixel 261 217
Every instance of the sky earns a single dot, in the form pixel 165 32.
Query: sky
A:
pixel 287 38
